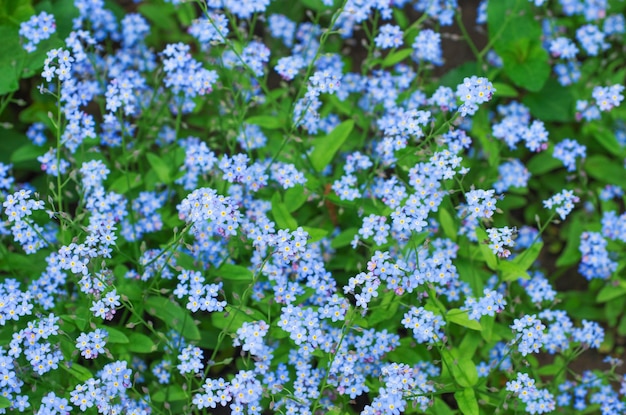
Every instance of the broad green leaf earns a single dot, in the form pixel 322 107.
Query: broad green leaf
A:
pixel 605 170
pixel 126 182
pixel 469 344
pixel 504 90
pixel 386 309
pixel 27 152
pixel 159 14
pixel 281 214
pixel 79 372
pixel 12 56
pixel 515 33
pixel 510 20
pixel 455 77
pixel 115 336
pixel 170 393
pixel 553 103
pixel 466 399
pixel 266 121
pixel 447 224
pixel 543 163
pixel 462 368
pixel 316 5
pixel 324 148
pixel 140 343
pixel 487 253
pixel 527 258
pixel 481 128
pixel 526 63
pixel 605 137
pixel 233 318
pixel 186 13
pixel 610 291
pixel 487 332
pixel 400 18
pixel 235 273
pixel 174 316
pixel 396 57
pixel 461 318
pixel 160 167
pixel 294 198
pixel 550 370
pixel 315 234
pixel 511 271
pixel 344 238
pixel 4 402
pixel 439 407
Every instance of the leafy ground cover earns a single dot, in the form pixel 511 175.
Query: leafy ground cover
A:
pixel 299 207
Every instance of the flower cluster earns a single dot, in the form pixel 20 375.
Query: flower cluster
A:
pixel 562 202
pixel 425 324
pixel 91 344
pixel 491 303
pixel 38 28
pixel 200 296
pixel 19 207
pixel 500 239
pixel 474 91
pixel 567 151
pixel 538 401
pixel 529 334
pixel 273 212
pixel 595 261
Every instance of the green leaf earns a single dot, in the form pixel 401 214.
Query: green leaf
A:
pixel 235 273
pixel 461 318
pixel 526 63
pixel 79 372
pixel 487 253
pixel 605 137
pixel 462 368
pixel 27 152
pixel 543 163
pixel 325 148
pixel 504 90
pixel 516 35
pixel 455 76
pixel 315 234
pixel 4 402
pixel 386 309
pixel 447 224
pixel 344 238
pixel 160 167
pixel 511 271
pixel 553 103
pixel 233 318
pixel 527 258
pixel 466 399
pixel 267 121
pixel 281 214
pixel 174 316
pixel 395 57
pixel 170 393
pixel 140 343
pixel 316 5
pixel 605 170
pixel 159 14
pixel 12 56
pixel 115 336
pixel 126 182
pixel 610 291
pixel 294 198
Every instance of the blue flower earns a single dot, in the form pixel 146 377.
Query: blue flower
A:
pixel 37 28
